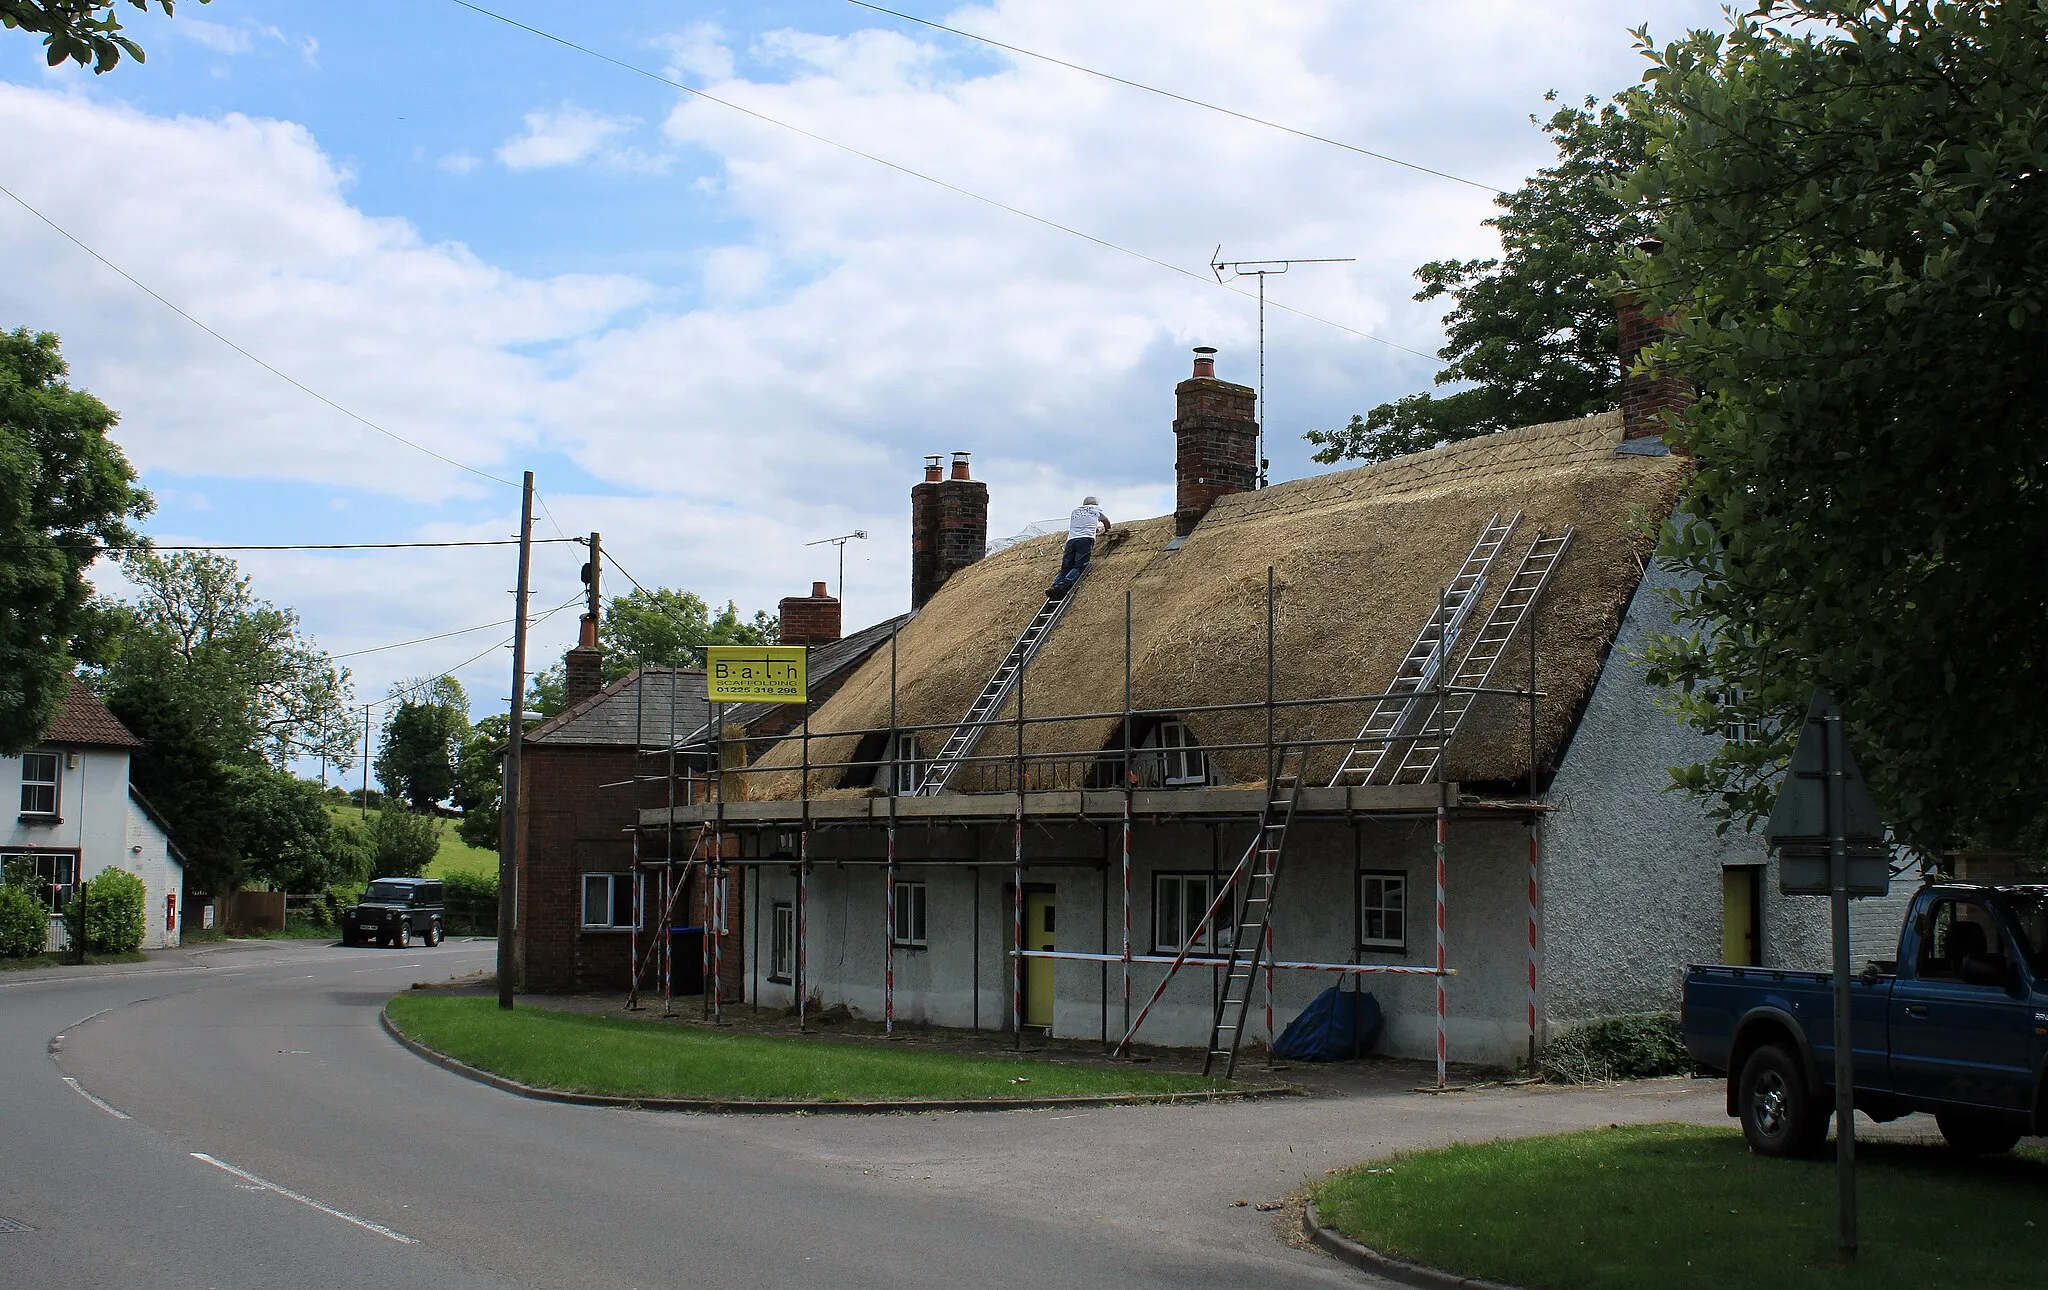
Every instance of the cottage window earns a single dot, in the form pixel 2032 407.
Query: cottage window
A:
pixel 51 875
pixel 608 901
pixel 907 764
pixel 1181 759
pixel 782 943
pixel 1178 902
pixel 39 783
pixel 1382 911
pixel 909 929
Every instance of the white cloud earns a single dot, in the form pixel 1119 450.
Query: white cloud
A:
pixel 563 136
pixel 218 37
pixel 459 163
pixel 698 51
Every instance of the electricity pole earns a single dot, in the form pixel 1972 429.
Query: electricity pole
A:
pixel 508 857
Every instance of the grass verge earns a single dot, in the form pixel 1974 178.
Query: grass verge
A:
pixel 68 959
pixel 618 1058
pixel 1682 1207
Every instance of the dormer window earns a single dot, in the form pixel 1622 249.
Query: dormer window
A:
pixel 39 772
pixel 895 761
pixel 1164 754
pixel 1181 760
pixel 907 764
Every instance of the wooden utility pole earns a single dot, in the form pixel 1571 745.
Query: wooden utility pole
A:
pixel 508 858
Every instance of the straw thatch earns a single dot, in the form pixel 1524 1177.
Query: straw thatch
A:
pixel 1358 558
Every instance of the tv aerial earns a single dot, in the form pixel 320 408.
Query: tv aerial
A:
pixel 1262 269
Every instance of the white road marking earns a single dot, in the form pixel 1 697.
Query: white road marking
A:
pixel 307 1201
pixel 99 1102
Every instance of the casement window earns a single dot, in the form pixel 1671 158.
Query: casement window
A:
pixel 53 874
pixel 907 764
pixel 782 943
pixel 909 929
pixel 1736 726
pixel 1181 760
pixel 607 901
pixel 39 777
pixel 1178 902
pixel 1382 911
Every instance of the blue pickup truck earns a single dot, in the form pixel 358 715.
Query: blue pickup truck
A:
pixel 1956 1026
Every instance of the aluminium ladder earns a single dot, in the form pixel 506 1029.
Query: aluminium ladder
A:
pixel 1260 870
pixel 1394 717
pixel 982 713
pixel 1419 764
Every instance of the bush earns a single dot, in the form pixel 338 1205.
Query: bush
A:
pixel 24 922
pixel 406 842
pixel 472 900
pixel 1616 1048
pixel 115 912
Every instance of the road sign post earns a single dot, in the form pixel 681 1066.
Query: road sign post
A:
pixel 1830 842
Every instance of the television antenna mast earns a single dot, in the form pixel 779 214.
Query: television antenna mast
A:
pixel 841 542
pixel 1261 269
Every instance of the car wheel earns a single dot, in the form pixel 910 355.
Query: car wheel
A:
pixel 1977 1135
pixel 402 938
pixel 1780 1117
pixel 434 935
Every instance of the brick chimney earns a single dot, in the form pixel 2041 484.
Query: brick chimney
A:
pixel 1645 396
pixel 948 526
pixel 1216 441
pixel 810 620
pixel 582 667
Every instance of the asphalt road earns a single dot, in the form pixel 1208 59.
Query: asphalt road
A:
pixel 237 1118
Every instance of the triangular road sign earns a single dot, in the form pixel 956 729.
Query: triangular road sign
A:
pixel 1799 826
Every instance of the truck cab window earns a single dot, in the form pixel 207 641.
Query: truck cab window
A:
pixel 1958 931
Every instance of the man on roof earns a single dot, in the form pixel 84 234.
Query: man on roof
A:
pixel 1085 525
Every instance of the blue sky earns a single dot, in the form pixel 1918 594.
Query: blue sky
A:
pixel 712 339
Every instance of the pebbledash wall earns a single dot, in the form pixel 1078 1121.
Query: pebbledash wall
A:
pixel 102 823
pixel 1632 893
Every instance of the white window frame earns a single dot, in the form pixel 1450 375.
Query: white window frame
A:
pixel 911 907
pixel 905 763
pixel 55 894
pixel 782 942
pixel 1382 912
pixel 615 884
pixel 1186 914
pixel 54 785
pixel 1181 759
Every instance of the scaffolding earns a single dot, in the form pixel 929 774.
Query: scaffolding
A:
pixel 1393 769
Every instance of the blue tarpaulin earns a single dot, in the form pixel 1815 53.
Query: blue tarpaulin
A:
pixel 1336 1026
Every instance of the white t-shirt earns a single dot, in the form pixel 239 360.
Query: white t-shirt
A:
pixel 1084 522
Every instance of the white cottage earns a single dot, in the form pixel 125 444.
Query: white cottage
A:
pixel 77 814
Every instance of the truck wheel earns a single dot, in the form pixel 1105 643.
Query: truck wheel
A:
pixel 1976 1135
pixel 434 936
pixel 402 938
pixel 1779 1116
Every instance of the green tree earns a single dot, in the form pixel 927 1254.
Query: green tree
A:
pixel 87 32
pixel 422 736
pixel 1853 205
pixel 661 628
pixel 1530 334
pixel 479 781
pixel 406 842
pixel 65 489
pixel 279 827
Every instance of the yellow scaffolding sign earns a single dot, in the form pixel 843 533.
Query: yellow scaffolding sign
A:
pixel 755 674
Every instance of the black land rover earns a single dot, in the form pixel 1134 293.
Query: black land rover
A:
pixel 393 911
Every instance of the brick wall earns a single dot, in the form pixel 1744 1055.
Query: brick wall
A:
pixel 1216 444
pixel 574 826
pixel 1645 396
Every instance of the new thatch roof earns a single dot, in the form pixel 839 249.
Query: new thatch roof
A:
pixel 1358 556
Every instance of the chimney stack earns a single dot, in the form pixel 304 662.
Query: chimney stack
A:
pixel 1645 396
pixel 810 620
pixel 948 526
pixel 1216 442
pixel 582 669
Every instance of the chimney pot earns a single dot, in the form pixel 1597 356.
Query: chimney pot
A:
pixel 931 469
pixel 1205 361
pixel 960 465
pixel 818 591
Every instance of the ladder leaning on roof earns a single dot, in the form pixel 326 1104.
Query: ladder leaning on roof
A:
pixel 1424 755
pixel 981 714
pixel 1397 715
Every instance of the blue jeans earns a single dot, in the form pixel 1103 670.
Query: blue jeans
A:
pixel 1072 562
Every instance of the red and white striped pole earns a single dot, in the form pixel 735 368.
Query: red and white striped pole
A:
pixel 803 925
pixel 1127 912
pixel 1534 915
pixel 1442 1002
pixel 1269 986
pixel 718 938
pixel 889 938
pixel 1017 959
pixel 633 933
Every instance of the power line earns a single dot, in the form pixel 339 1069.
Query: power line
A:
pixel 304 546
pixel 1178 98
pixel 403 692
pixel 292 381
pixel 421 640
pixel 1019 212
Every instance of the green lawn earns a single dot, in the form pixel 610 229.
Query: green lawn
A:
pixel 622 1058
pixel 455 855
pixel 1679 1207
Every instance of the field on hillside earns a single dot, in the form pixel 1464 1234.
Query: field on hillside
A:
pixel 455 855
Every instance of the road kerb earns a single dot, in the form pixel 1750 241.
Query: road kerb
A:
pixel 1370 1260
pixel 731 1106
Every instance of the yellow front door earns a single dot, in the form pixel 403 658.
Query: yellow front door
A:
pixel 1038 972
pixel 1738 916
